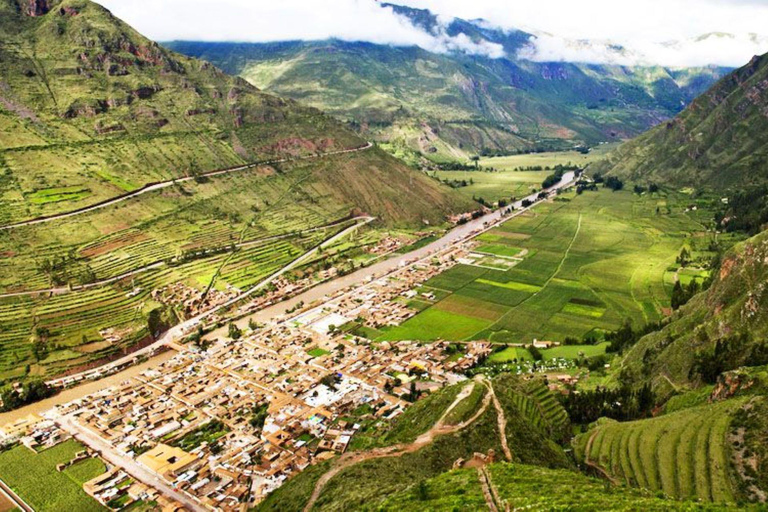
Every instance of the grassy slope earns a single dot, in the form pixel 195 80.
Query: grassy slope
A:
pixel 685 454
pixel 88 102
pixel 366 485
pixel 719 141
pixel 736 302
pixel 527 488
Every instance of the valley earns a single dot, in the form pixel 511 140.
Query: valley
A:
pixel 420 267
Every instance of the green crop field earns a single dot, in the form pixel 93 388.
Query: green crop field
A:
pixel 509 354
pixel 546 159
pixel 494 185
pixel 685 454
pixel 588 262
pixel 34 478
pixel 574 351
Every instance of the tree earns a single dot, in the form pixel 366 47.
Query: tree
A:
pixel 475 159
pixel 678 296
pixel 234 331
pixel 614 183
pixel 155 322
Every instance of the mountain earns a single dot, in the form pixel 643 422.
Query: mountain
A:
pixel 719 141
pixel 90 109
pixel 475 96
pixel 719 330
pixel 109 225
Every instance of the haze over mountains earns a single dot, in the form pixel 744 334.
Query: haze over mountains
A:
pixel 480 89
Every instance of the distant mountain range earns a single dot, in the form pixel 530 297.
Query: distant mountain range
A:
pixel 483 91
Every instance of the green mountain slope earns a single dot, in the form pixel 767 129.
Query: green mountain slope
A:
pixel 718 330
pixel 719 141
pixel 90 109
pixel 465 469
pixel 452 105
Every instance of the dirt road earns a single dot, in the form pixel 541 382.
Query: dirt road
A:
pixel 164 184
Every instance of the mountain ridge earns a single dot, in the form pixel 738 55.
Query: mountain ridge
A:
pixel 451 104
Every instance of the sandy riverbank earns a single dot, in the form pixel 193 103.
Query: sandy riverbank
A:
pixel 84 389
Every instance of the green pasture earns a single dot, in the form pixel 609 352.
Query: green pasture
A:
pixel 494 185
pixel 33 476
pixel 589 263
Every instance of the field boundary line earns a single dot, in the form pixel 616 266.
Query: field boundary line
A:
pixel 546 283
pixel 17 500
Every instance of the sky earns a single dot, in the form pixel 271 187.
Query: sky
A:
pixel 664 32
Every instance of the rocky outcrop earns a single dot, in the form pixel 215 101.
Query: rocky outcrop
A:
pixel 729 384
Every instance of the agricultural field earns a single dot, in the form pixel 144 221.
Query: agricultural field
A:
pixel 504 177
pixel 189 234
pixel 494 185
pixel 547 159
pixel 34 478
pixel 582 264
pixel 684 454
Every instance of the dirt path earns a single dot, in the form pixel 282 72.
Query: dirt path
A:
pixel 490 493
pixel 439 429
pixel 597 467
pixel 151 187
pixel 487 492
pixel 501 418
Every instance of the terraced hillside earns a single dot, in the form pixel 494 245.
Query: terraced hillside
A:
pixel 685 454
pixel 451 105
pixel 90 109
pixel 719 141
pixel 110 190
pixel 459 426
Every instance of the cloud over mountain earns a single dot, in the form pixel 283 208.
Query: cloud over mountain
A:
pixel 664 32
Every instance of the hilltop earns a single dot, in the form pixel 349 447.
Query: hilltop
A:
pixel 720 141
pixel 452 105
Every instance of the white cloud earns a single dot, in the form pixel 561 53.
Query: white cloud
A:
pixel 284 20
pixel 640 26
pixel 715 48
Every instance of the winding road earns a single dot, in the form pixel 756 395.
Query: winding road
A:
pixel 152 187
